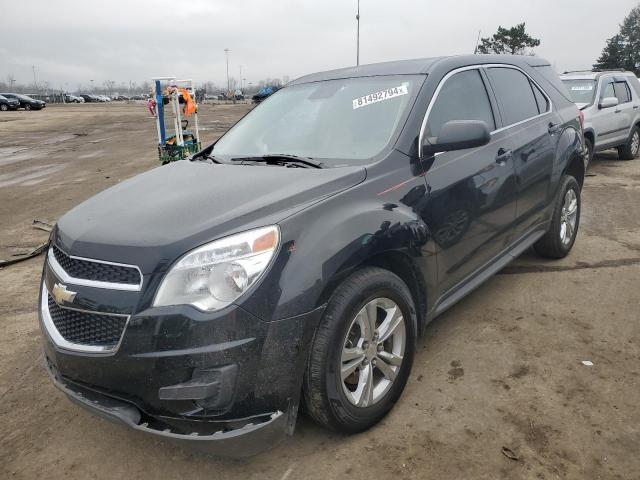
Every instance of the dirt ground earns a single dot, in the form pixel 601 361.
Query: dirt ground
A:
pixel 502 369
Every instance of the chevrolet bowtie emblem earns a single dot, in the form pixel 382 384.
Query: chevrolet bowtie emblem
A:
pixel 61 294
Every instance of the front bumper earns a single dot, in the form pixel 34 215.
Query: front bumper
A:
pixel 256 435
pixel 216 381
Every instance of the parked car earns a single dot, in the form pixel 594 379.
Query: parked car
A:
pixel 26 102
pixel 68 98
pixel 304 251
pixel 89 98
pixel 610 102
pixel 238 95
pixel 263 94
pixel 8 103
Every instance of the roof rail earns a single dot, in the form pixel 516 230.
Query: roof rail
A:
pixel 596 70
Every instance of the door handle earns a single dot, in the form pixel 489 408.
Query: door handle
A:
pixel 553 127
pixel 635 107
pixel 618 111
pixel 503 156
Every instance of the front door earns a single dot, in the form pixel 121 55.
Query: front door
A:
pixel 607 122
pixel 471 203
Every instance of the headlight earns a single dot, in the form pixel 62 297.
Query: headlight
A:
pixel 216 274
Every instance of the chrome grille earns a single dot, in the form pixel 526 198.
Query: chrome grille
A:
pixel 96 271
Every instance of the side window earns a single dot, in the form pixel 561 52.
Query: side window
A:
pixel 541 100
pixel 622 92
pixel 608 91
pixel 462 97
pixel 514 93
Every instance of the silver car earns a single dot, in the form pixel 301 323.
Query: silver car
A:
pixel 610 102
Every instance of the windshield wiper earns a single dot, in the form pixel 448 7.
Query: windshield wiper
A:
pixel 282 159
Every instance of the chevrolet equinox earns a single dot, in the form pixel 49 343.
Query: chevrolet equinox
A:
pixel 294 262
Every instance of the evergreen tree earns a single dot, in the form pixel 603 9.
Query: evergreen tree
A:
pixel 514 40
pixel 623 49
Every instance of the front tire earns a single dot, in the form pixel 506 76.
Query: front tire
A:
pixel 631 149
pixel 362 352
pixel 27 107
pixel 4 107
pixel 559 240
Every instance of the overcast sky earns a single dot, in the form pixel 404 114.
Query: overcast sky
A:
pixel 73 41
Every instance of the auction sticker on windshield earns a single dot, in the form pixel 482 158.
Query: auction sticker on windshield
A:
pixel 380 96
pixel 582 88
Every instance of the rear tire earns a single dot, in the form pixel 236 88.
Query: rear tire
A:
pixel 631 149
pixel 27 107
pixel 348 387
pixel 589 146
pixel 559 240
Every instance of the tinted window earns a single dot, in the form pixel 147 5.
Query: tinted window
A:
pixel 608 91
pixel 462 97
pixel 541 100
pixel 622 92
pixel 514 92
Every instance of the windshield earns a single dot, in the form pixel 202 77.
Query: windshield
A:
pixel 347 119
pixel 581 91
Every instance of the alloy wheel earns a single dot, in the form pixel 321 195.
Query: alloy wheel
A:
pixel 568 216
pixel 635 143
pixel 372 352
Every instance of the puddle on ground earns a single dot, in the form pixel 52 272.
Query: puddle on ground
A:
pixel 29 176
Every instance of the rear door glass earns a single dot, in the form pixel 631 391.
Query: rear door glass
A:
pixel 514 93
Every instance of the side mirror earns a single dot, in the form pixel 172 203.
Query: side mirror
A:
pixel 608 102
pixel 458 135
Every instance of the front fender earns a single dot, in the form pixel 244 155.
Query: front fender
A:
pixel 331 240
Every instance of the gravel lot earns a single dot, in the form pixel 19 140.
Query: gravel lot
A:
pixel 502 369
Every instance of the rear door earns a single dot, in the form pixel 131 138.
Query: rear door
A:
pixel 625 109
pixel 471 205
pixel 530 129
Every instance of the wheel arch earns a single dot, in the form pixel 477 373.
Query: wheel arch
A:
pixel 590 134
pixel 398 263
pixel 575 168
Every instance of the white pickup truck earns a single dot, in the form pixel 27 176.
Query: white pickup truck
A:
pixel 610 102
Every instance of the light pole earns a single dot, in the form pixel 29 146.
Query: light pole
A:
pixel 358 36
pixel 35 83
pixel 226 52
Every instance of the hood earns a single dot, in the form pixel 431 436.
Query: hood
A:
pixel 153 218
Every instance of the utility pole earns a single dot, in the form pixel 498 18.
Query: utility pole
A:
pixel 35 83
pixel 240 79
pixel 226 52
pixel 475 52
pixel 358 36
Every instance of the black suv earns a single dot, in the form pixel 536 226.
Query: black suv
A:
pixel 300 255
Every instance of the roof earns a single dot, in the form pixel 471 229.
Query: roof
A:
pixel 420 66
